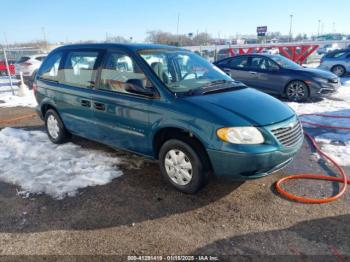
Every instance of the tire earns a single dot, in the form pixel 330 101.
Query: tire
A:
pixel 297 91
pixel 56 131
pixel 190 175
pixel 338 70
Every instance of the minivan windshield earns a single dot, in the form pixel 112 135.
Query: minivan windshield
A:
pixel 183 71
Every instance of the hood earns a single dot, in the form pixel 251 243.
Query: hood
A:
pixel 243 107
pixel 318 73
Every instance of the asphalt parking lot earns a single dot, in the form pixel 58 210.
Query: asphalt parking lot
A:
pixel 138 214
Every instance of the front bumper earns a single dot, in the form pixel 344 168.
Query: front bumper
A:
pixel 323 89
pixel 242 162
pixel 249 166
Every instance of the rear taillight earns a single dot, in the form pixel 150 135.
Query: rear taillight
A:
pixel 35 87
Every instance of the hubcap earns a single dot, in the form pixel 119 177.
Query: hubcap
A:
pixel 178 167
pixel 296 91
pixel 338 70
pixel 52 126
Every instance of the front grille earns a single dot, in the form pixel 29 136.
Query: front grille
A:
pixel 289 135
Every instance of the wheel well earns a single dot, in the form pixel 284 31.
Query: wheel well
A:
pixel 46 107
pixel 285 88
pixel 338 65
pixel 168 133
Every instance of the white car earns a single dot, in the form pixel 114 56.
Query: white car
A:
pixel 327 48
pixel 28 65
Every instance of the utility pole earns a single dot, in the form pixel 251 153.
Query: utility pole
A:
pixel 178 23
pixel 177 28
pixel 290 28
pixel 6 42
pixel 44 35
pixel 319 27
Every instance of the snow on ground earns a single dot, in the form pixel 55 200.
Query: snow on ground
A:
pixel 333 142
pixel 30 160
pixel 7 99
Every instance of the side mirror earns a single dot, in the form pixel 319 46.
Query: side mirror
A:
pixel 135 86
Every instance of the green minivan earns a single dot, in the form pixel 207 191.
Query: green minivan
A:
pixel 168 104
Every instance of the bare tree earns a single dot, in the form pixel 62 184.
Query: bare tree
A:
pixel 117 39
pixel 160 37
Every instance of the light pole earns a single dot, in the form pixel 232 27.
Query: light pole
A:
pixel 44 36
pixel 177 28
pixel 290 28
pixel 318 28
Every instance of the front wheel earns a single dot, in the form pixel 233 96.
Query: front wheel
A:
pixel 182 166
pixel 297 91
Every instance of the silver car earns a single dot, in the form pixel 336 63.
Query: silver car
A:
pixel 337 62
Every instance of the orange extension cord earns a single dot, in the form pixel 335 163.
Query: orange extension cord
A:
pixel 343 179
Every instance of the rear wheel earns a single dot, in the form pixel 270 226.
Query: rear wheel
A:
pixel 55 128
pixel 297 91
pixel 339 70
pixel 182 166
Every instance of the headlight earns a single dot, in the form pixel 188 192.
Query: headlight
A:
pixel 321 80
pixel 240 135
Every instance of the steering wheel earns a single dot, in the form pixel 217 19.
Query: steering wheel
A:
pixel 188 74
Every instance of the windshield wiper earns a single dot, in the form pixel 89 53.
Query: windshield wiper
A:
pixel 224 88
pixel 212 87
pixel 217 82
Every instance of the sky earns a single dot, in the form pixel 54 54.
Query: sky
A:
pixel 70 21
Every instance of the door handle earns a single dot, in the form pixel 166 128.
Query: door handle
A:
pixel 252 72
pixel 85 103
pixel 100 106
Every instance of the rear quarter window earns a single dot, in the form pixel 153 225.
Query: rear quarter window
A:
pixel 50 68
pixel 79 69
pixel 40 58
pixel 335 55
pixel 23 59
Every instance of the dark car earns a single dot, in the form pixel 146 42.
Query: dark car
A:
pixel 168 104
pixel 278 75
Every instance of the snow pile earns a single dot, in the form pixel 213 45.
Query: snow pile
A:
pixel 7 99
pixel 30 160
pixel 334 142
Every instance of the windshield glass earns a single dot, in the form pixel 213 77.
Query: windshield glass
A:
pixel 285 62
pixel 183 71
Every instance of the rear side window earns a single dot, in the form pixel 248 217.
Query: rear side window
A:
pixel 223 62
pixel 23 59
pixel 79 69
pixel 239 62
pixel 49 69
pixel 335 55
